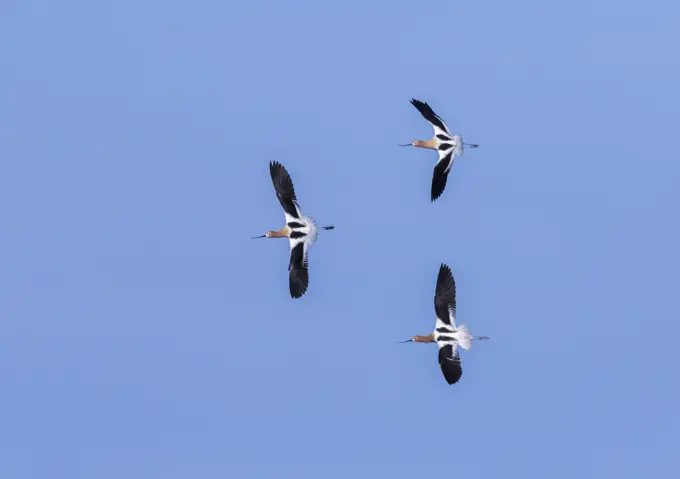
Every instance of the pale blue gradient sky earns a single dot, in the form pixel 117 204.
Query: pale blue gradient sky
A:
pixel 144 335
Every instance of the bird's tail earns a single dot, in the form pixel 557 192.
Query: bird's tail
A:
pixel 463 337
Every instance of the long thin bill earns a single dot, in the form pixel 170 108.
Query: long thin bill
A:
pixel 256 237
pixel 407 341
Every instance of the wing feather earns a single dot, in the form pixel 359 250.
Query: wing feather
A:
pixel 449 361
pixel 441 174
pixel 285 192
pixel 298 272
pixel 434 119
pixel 445 297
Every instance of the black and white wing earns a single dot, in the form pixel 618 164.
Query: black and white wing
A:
pixel 441 131
pixel 445 300
pixel 449 361
pixel 285 191
pixel 445 309
pixel 441 172
pixel 298 273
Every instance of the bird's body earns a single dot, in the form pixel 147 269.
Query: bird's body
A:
pixel 448 146
pixel 301 230
pixel 446 334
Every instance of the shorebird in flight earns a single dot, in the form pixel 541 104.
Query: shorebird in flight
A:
pixel 446 334
pixel 300 230
pixel 448 146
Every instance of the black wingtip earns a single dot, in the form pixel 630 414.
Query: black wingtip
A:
pixel 444 273
pixel 436 194
pixel 298 290
pixel 445 279
pixel 452 374
pixel 275 165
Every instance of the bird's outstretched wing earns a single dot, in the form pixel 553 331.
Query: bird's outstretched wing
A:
pixel 285 191
pixel 441 174
pixel 449 361
pixel 298 273
pixel 445 309
pixel 445 297
pixel 437 123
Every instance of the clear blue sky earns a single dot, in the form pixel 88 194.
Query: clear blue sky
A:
pixel 142 334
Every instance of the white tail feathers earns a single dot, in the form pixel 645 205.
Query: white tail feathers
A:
pixel 463 337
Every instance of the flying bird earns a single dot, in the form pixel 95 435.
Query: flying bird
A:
pixel 300 230
pixel 446 334
pixel 447 145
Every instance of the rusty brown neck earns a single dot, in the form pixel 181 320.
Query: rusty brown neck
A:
pixel 282 233
pixel 431 143
pixel 424 339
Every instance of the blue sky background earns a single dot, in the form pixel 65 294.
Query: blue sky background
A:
pixel 144 335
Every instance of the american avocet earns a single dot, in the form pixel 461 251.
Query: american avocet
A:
pixel 300 230
pixel 446 334
pixel 447 145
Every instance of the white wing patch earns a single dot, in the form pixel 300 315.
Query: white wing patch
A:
pixel 443 327
pixel 454 347
pixel 439 131
pixel 452 317
pixel 290 219
pixel 294 242
pixel 442 155
pixel 305 253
